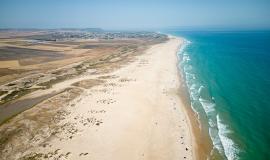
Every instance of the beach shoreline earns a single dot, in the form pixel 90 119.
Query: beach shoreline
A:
pixel 151 125
pixel 135 113
pixel 202 144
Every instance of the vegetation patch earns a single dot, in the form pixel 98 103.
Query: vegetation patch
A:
pixel 88 83
pixel 51 82
pixel 16 94
pixel 3 92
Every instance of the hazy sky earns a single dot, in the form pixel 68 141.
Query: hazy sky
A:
pixel 137 14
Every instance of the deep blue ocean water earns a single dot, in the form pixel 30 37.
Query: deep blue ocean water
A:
pixel 228 78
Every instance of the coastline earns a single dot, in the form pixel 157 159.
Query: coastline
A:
pixel 136 114
pixel 202 144
pixel 201 141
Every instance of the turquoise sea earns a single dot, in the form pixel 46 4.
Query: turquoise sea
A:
pixel 227 74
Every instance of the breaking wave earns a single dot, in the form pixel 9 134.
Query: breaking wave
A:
pixel 203 104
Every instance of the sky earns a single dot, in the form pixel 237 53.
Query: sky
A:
pixel 136 14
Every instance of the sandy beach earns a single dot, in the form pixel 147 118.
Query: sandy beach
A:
pixel 135 113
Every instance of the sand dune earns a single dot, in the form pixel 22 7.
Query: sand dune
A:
pixel 135 115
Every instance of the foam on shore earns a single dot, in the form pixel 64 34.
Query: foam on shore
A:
pixel 204 106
